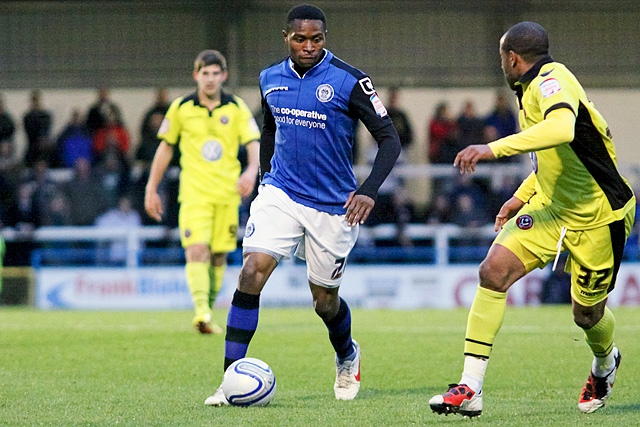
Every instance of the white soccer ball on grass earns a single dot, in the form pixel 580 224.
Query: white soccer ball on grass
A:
pixel 249 382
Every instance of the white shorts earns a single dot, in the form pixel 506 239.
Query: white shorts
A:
pixel 280 227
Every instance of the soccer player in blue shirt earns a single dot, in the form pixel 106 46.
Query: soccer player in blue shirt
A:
pixel 309 202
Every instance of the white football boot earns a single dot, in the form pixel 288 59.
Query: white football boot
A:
pixel 217 399
pixel 347 382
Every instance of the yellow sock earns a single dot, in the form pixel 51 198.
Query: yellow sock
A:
pixel 216 276
pixel 198 281
pixel 484 322
pixel 600 336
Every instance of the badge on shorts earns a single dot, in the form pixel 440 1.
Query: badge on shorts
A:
pixel 187 233
pixel 249 230
pixel 524 222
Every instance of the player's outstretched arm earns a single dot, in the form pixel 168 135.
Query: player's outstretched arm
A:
pixel 467 158
pixel 161 160
pixel 247 179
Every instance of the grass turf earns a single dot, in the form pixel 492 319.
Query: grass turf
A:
pixel 72 368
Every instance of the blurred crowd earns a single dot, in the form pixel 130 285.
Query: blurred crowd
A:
pixel 90 174
pixel 86 174
pixel 463 200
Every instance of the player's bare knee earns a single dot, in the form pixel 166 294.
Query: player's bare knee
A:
pixel 493 277
pixel 252 277
pixel 325 305
pixel 584 322
pixel 586 317
pixel 322 309
pixel 197 253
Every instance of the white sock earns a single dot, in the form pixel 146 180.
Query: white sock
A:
pixel 602 366
pixel 473 373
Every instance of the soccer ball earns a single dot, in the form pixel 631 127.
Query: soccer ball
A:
pixel 249 382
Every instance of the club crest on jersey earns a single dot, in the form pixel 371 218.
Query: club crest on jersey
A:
pixel 549 87
pixel 224 120
pixel 524 222
pixel 211 151
pixel 324 92
pixel 249 230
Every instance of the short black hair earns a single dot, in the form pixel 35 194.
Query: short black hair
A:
pixel 306 11
pixel 209 57
pixel 527 39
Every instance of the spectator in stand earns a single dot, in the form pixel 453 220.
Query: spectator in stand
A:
pixel 10 172
pixel 58 211
pixel 477 190
pixel 4 214
pixel 113 174
pixel 97 114
pixel 37 126
pixel 394 204
pixel 399 118
pixel 500 123
pixel 145 151
pixel 149 129
pixel 84 192
pixel 442 136
pixel 470 126
pixel 7 125
pixel 122 216
pixel 556 287
pixel 22 213
pixel 507 187
pixel 112 136
pixel 466 213
pixel 439 210
pixel 74 142
pixel 44 189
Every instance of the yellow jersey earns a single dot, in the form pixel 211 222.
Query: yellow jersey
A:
pixel 577 179
pixel 209 143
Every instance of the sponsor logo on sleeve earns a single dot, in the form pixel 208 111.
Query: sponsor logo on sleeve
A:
pixel 367 86
pixel 378 105
pixel 324 92
pixel 549 87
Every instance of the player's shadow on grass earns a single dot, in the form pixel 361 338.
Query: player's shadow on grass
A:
pixel 374 393
pixel 612 408
pixel 377 393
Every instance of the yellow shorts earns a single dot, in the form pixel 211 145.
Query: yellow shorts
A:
pixel 213 224
pixel 594 255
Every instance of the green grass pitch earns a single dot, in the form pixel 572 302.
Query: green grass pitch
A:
pixel 63 368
